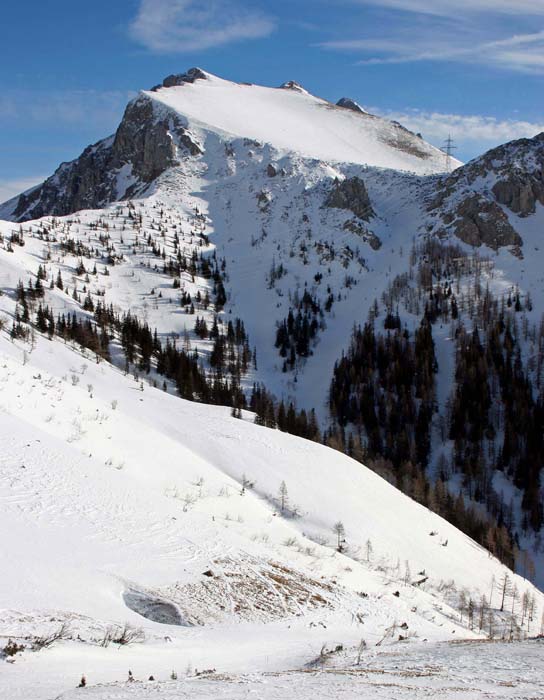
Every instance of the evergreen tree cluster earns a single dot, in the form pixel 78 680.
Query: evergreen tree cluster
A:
pixel 77 248
pixel 384 388
pixel 295 334
pixel 229 359
pixel 286 418
pixel 496 415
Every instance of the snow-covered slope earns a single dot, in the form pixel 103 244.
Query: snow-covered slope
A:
pixel 293 120
pixel 268 216
pixel 448 671
pixel 128 505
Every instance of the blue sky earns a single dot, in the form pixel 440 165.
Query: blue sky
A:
pixel 472 68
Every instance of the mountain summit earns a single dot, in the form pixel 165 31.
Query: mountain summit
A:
pixel 174 119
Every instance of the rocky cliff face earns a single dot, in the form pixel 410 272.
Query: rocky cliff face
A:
pixel 521 191
pixel 474 202
pixel 479 221
pixel 351 194
pixel 144 146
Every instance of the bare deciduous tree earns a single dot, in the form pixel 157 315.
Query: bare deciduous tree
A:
pixel 340 532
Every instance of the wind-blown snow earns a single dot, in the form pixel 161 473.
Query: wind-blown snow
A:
pixel 295 121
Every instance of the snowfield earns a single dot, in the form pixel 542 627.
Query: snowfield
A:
pixel 292 120
pixel 124 506
pixel 452 672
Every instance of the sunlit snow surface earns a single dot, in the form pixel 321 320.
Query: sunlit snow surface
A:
pixel 94 474
pixel 295 121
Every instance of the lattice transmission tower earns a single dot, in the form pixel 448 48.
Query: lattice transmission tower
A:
pixel 448 148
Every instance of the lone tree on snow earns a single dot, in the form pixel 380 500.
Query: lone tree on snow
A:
pixel 283 495
pixel 340 533
pixel 505 588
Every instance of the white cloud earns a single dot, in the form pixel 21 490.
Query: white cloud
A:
pixel 521 52
pixel 454 8
pixel 472 133
pixel 11 188
pixel 176 26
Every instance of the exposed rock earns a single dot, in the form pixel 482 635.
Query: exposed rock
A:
pixel 351 194
pixel 263 199
pixel 178 79
pixel 368 237
pixel 469 204
pixel 144 146
pixel 521 191
pixel 518 170
pixel 271 170
pixel 406 141
pixel 480 221
pixel 145 142
pixel 292 85
pixel 70 188
pixel 348 103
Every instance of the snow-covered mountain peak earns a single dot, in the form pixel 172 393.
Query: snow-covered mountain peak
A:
pixel 189 112
pixel 294 121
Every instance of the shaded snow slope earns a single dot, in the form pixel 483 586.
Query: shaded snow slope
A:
pixel 448 671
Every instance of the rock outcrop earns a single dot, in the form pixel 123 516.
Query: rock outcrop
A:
pixel 178 79
pixel 521 191
pixel 362 231
pixel 351 194
pixel 293 85
pixel 144 146
pixel 479 221
pixel 473 201
pixel 348 103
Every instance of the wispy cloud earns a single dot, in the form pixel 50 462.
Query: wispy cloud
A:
pixel 520 52
pixel 176 26
pixel 11 188
pixel 473 134
pixel 503 34
pixel 454 8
